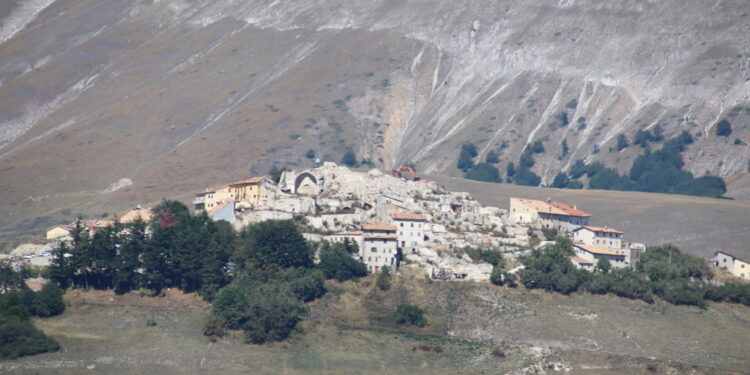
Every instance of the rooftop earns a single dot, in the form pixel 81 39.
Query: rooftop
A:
pixel 415 217
pixel 599 250
pixel 554 208
pixel 579 260
pixel 379 227
pixel 249 181
pixel 131 216
pixel 381 237
pixel 600 229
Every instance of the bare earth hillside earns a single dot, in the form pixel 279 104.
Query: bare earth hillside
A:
pixel 104 104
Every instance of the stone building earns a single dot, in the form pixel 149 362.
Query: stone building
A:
pixel 594 254
pixel 379 247
pixel 411 231
pixel 599 236
pixel 736 266
pixel 547 214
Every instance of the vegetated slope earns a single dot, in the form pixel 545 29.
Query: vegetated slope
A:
pixel 698 226
pixel 472 329
pixel 174 96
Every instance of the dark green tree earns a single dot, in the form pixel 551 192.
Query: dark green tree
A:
pixel 337 263
pixel 577 169
pixel 561 181
pixel 723 128
pixel 409 315
pixel 537 147
pixel 622 142
pixel 274 243
pixel 483 172
pixel 349 158
pixel 492 157
pixel 49 301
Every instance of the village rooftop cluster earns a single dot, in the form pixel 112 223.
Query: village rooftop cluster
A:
pixel 401 220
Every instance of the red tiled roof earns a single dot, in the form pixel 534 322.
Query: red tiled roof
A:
pixel 379 227
pixel 249 181
pixel 554 208
pixel 600 229
pixel 416 217
pixel 579 260
pixel 600 250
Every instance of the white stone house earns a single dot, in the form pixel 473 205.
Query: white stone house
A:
pixel 599 236
pixel 411 231
pixel 379 247
pixel 594 254
pixel 736 266
pixel 547 214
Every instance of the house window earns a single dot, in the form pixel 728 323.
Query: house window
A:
pixel 374 250
pixel 402 224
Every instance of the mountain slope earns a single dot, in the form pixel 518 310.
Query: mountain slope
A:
pixel 159 98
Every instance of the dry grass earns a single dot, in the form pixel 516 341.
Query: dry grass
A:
pixel 469 324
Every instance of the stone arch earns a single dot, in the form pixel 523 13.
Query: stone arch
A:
pixel 306 184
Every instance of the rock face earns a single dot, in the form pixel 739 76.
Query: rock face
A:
pixel 174 95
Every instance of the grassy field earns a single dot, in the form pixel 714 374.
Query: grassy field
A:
pixel 472 329
pixel 697 225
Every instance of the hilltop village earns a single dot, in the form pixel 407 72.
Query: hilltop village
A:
pixel 399 220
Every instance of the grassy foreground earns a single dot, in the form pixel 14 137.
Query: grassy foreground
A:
pixel 472 329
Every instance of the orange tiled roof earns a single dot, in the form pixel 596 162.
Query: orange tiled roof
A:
pixel 249 181
pixel 579 260
pixel 600 250
pixel 416 217
pixel 381 236
pixel 379 227
pixel 554 208
pixel 601 229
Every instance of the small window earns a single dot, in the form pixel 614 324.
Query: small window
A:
pixel 374 250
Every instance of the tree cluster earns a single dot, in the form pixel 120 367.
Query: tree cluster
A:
pixel 18 303
pixel 663 271
pixel 185 251
pixel 658 172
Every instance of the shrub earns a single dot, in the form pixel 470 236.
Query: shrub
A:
pixel 492 157
pixel 483 172
pixel 577 169
pixel 723 128
pixel 349 159
pixel 48 301
pixel 384 279
pixel 526 177
pixel 407 314
pixel 622 142
pixel 338 264
pixel 561 181
pixel 20 338
pixel 537 147
pixel 466 156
